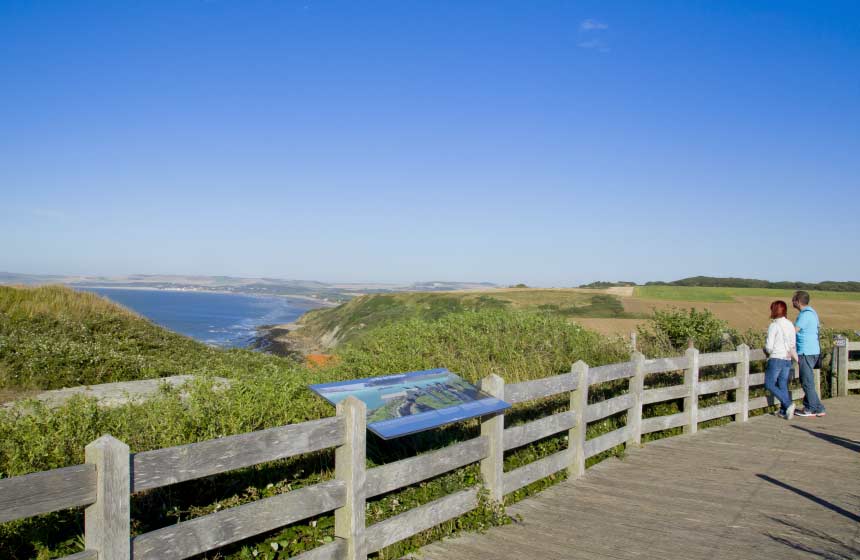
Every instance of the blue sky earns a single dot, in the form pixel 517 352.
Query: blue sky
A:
pixel 551 143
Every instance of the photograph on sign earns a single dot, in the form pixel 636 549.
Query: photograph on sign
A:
pixel 405 403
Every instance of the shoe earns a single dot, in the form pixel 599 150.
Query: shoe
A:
pixel 789 412
pixel 779 414
pixel 803 412
pixel 820 414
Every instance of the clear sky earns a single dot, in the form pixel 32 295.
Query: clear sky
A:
pixel 551 143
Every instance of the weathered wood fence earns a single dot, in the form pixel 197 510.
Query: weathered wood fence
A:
pixel 841 381
pixel 105 483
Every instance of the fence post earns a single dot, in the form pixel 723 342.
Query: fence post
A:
pixel 742 393
pixel 576 435
pixel 691 401
pixel 843 367
pixel 493 428
pixel 637 391
pixel 107 522
pixel 834 366
pixel 350 466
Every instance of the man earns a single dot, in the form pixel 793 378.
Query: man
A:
pixel 808 350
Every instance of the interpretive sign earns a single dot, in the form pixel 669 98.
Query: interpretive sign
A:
pixel 405 403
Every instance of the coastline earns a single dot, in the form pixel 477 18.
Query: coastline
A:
pixel 272 337
pixel 322 303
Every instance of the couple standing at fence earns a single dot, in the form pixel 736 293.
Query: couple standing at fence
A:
pixel 798 341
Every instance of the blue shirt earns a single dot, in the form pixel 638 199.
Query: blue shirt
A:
pixel 807 336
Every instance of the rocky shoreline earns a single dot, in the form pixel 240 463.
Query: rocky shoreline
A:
pixel 281 340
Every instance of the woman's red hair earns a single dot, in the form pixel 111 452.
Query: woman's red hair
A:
pixel 778 309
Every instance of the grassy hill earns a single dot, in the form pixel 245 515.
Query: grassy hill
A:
pixel 53 336
pixel 350 321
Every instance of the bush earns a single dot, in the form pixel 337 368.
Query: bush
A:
pixel 670 331
pixel 516 345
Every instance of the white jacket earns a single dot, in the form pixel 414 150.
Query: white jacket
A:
pixel 781 341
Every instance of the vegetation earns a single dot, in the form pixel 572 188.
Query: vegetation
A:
pixel 52 337
pixel 601 306
pixel 474 337
pixel 516 345
pixel 601 285
pixel 670 331
pixel 713 282
pixel 350 321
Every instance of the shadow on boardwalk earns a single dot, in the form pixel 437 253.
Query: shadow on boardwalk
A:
pixel 764 489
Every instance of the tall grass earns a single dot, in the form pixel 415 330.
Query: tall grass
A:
pixel 515 345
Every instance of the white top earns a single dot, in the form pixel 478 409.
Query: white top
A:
pixel 780 339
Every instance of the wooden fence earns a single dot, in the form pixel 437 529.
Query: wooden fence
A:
pixel 111 474
pixel 842 366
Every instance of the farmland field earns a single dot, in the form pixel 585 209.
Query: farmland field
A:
pixel 695 293
pixel 746 308
pixel 742 308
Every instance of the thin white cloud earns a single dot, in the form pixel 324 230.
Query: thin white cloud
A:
pixel 593 25
pixel 594 44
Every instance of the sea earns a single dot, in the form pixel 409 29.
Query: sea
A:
pixel 217 319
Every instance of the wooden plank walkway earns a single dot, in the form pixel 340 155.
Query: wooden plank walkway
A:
pixel 765 489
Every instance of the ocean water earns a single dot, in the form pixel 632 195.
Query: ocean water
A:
pixel 226 320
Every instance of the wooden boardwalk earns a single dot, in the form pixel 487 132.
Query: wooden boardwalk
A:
pixel 765 489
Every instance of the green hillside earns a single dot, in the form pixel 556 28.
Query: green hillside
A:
pixel 351 320
pixel 53 336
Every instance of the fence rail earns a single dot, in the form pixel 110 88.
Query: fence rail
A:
pixel 844 366
pixel 111 474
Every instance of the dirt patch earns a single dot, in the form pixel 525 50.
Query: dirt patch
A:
pixel 621 327
pixel 9 395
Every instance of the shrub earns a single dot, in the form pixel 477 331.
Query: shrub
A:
pixel 669 331
pixel 517 345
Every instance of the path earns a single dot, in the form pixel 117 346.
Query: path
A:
pixel 765 489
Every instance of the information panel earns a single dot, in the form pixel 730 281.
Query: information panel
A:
pixel 405 403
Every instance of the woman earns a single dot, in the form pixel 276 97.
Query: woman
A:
pixel 780 349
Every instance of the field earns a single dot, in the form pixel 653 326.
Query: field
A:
pixel 685 293
pixel 746 308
